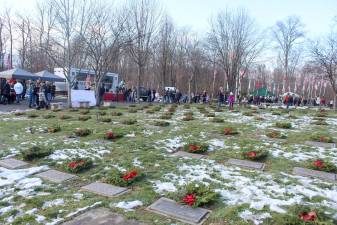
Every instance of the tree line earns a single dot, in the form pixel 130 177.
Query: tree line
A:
pixel 139 40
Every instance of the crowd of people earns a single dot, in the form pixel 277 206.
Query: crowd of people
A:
pixel 40 93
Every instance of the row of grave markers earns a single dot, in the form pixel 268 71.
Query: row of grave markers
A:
pixel 163 206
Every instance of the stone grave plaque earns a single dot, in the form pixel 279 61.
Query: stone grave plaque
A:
pixel 55 176
pixel 321 144
pixel 247 164
pixel 186 214
pixel 314 173
pixel 103 189
pixel 101 216
pixel 189 155
pixel 11 163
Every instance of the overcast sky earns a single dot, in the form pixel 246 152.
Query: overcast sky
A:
pixel 315 14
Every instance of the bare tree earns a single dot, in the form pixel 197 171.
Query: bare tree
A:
pixel 325 56
pixel 2 42
pixel 167 42
pixel 104 40
pixel 236 42
pixel 64 48
pixel 288 35
pixel 142 27
pixel 10 32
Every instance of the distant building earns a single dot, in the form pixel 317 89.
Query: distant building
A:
pixel 84 78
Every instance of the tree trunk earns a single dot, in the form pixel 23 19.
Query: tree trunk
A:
pixel 97 94
pixel 335 102
pixel 189 90
pixel 69 94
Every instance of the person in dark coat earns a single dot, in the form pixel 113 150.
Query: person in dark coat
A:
pixel 221 97
pixel 6 90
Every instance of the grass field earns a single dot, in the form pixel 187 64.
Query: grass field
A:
pixel 246 196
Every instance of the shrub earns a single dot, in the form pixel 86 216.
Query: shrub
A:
pixel 157 108
pixel 65 117
pixel 230 131
pixel 255 155
pixel 57 110
pixel 217 120
pixel 161 123
pixel 196 148
pixel 172 109
pixel 85 112
pixel 129 121
pixel 84 118
pixel 276 113
pixel 78 165
pixel 283 125
pixel 188 114
pixel 101 113
pixel 165 117
pixel 247 113
pixel 81 132
pixel 188 118
pixel 259 118
pixel 150 111
pixel 210 114
pixel 118 178
pixel 109 135
pixel 32 115
pixel 187 106
pixel 322 165
pixel 306 215
pixel 276 134
pixel 35 152
pixel 48 116
pixel 197 194
pixel 322 138
pixel 320 114
pixel 116 114
pixel 132 110
pixel 106 120
pixel 19 113
pixel 54 128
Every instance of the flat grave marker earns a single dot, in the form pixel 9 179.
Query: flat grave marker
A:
pixel 247 164
pixel 189 155
pixel 321 144
pixel 12 163
pixel 101 216
pixel 314 173
pixel 55 176
pixel 103 189
pixel 183 213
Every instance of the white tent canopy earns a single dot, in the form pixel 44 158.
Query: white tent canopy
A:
pixel 291 94
pixel 47 76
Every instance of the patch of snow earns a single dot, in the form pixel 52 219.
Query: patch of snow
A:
pixel 161 187
pixel 52 203
pixel 254 217
pixel 128 206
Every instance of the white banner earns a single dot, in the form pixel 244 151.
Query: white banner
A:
pixel 78 96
